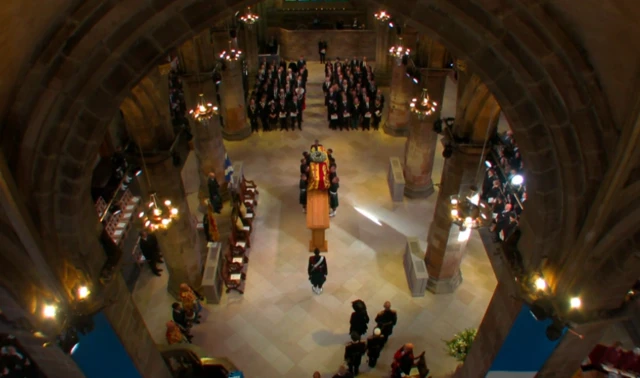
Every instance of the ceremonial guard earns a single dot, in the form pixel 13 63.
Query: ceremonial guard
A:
pixel 303 189
pixel 333 196
pixel 317 271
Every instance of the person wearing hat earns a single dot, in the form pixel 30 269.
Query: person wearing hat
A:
pixel 359 321
pixel 317 270
pixel 353 353
pixel 375 343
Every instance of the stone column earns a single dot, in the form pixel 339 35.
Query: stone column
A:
pixel 419 152
pixel 382 54
pixel 233 107
pixel 397 123
pixel 178 242
pixel 446 243
pixel 249 38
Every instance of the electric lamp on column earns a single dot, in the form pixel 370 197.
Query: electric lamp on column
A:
pixel 423 107
pixel 203 110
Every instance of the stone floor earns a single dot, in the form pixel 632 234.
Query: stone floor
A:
pixel 279 328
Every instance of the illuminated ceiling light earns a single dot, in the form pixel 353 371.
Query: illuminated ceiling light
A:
pixel 231 55
pixel 575 302
pixel 399 51
pixel 83 292
pixel 383 17
pixel 368 215
pixel 541 284
pixel 469 211
pixel 203 111
pixel 159 214
pixel 249 18
pixel 517 180
pixel 49 311
pixel 423 107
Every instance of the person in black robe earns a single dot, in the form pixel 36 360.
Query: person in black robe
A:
pixel 303 189
pixel 386 320
pixel 375 343
pixel 151 251
pixel 359 321
pixel 252 113
pixel 334 118
pixel 317 271
pixel 353 353
pixel 377 114
pixel 214 193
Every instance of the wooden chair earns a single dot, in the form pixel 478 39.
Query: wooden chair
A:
pixel 248 200
pixel 233 281
pixel 250 184
pixel 240 229
pixel 248 191
pixel 236 264
pixel 237 252
pixel 245 214
pixel 238 245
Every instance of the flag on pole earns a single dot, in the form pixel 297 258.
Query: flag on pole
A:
pixel 228 168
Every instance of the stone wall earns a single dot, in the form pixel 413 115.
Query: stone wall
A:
pixel 341 43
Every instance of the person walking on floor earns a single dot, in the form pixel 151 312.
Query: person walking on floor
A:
pixel 353 353
pixel 317 271
pixel 375 343
pixel 386 320
pixel 151 251
pixel 359 321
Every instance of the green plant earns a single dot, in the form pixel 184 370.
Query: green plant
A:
pixel 460 344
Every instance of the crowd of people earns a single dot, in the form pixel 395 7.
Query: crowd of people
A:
pixel 351 96
pixel 278 99
pixel 504 187
pixel 403 359
pixel 185 314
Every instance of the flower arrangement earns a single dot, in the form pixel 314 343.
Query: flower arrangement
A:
pixel 460 345
pixel 318 156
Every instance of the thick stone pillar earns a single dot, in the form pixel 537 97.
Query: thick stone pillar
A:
pixel 178 242
pixel 419 152
pixel 208 141
pixel 446 243
pixel 402 91
pixel 249 37
pixel 233 107
pixel 382 54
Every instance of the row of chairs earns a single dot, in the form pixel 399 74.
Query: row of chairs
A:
pixel 244 203
pixel 119 224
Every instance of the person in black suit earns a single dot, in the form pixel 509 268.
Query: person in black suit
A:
pixel 353 353
pixel 375 343
pixel 273 116
pixel 263 111
pixel 356 113
pixel 367 113
pixel 322 50
pixel 283 113
pixel 295 112
pixel 377 114
pixel 301 63
pixel 334 118
pixel 151 251
pixel 317 270
pixel 252 113
pixel 344 109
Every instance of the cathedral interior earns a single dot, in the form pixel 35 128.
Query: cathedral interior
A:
pixel 87 80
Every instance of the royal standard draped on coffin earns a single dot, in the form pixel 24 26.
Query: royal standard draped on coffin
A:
pixel 319 170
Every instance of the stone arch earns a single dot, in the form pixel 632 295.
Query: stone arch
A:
pixel 537 73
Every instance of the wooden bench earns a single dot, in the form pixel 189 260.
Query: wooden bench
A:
pixel 415 268
pixel 396 179
pixel 318 219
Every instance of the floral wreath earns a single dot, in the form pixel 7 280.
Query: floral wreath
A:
pixel 318 156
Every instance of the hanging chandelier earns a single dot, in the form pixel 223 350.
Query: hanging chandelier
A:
pixel 470 211
pixel 203 110
pixel 399 51
pixel 382 17
pixel 232 55
pixel 424 107
pixel 158 214
pixel 249 18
